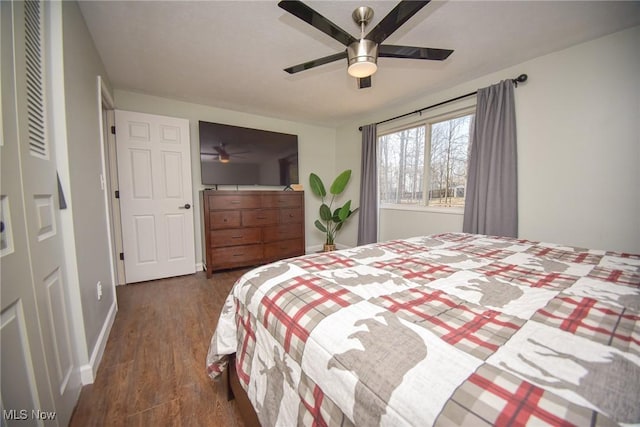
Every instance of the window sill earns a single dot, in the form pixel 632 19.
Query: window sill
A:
pixel 429 209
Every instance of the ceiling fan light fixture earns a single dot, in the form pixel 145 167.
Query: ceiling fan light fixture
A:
pixel 223 158
pixel 362 56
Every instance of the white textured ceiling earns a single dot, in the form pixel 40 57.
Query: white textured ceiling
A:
pixel 231 54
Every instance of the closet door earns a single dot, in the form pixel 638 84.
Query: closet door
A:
pixel 37 356
pixel 25 379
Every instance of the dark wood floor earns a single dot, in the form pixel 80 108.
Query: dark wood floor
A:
pixel 153 369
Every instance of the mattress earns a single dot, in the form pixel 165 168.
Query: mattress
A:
pixel 447 329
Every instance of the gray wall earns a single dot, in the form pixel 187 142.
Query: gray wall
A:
pixel 578 148
pixel 316 149
pixel 577 138
pixel 82 65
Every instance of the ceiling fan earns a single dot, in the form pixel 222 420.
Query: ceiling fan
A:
pixel 362 53
pixel 222 155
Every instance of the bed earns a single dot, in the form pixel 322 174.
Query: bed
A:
pixel 447 329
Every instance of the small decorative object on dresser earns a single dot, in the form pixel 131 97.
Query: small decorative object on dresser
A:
pixel 243 228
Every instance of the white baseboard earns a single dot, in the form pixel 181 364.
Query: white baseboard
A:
pixel 88 372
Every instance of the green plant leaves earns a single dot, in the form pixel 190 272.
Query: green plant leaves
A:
pixel 331 222
pixel 325 212
pixel 340 183
pixel 344 211
pixel 317 186
pixel 320 226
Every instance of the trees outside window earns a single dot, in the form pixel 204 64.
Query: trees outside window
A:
pixel 404 176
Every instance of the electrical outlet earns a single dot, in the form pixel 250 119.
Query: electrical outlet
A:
pixel 99 290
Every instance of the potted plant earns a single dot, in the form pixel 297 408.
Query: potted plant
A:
pixel 331 220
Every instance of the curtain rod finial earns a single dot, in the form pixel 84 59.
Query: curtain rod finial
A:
pixel 520 79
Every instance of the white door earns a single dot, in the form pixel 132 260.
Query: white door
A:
pixel 25 380
pixel 156 206
pixel 37 356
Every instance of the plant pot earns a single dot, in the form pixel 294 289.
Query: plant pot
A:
pixel 329 248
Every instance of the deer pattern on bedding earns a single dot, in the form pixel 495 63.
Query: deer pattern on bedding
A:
pixel 437 330
pixel 622 402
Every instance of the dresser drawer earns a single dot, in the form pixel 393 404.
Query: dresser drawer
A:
pixel 274 233
pixel 284 200
pixel 233 201
pixel 236 255
pixel 224 219
pixel 235 237
pixel 291 215
pixel 283 249
pixel 258 217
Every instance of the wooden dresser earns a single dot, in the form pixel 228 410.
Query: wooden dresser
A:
pixel 245 228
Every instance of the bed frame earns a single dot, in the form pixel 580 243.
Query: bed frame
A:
pixel 235 391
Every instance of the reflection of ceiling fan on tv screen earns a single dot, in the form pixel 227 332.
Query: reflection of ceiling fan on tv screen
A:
pixel 235 155
pixel 222 155
pixel 362 53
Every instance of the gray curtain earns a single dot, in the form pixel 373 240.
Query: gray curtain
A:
pixel 491 201
pixel 368 213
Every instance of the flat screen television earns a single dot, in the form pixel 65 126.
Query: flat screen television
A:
pixel 234 155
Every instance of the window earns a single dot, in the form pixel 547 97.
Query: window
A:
pixel 406 179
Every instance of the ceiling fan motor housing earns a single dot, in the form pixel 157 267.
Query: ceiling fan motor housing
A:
pixel 362 56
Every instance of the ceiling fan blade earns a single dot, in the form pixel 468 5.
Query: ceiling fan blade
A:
pixel 392 51
pixel 394 19
pixel 316 62
pixel 364 82
pixel 313 18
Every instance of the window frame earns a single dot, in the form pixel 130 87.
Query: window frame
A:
pixel 427 121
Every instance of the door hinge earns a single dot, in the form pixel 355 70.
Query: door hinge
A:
pixel 117 194
pixel 121 256
pixel 113 130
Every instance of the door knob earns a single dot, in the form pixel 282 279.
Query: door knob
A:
pixel 186 206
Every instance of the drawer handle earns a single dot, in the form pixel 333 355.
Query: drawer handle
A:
pixel 235 202
pixel 236 255
pixel 236 237
pixel 225 220
pixel 261 217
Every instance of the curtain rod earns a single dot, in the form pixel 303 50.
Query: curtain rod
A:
pixel 520 79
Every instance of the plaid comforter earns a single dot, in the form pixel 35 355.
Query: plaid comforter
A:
pixel 449 329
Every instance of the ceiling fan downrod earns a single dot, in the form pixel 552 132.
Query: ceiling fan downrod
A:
pixel 362 55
